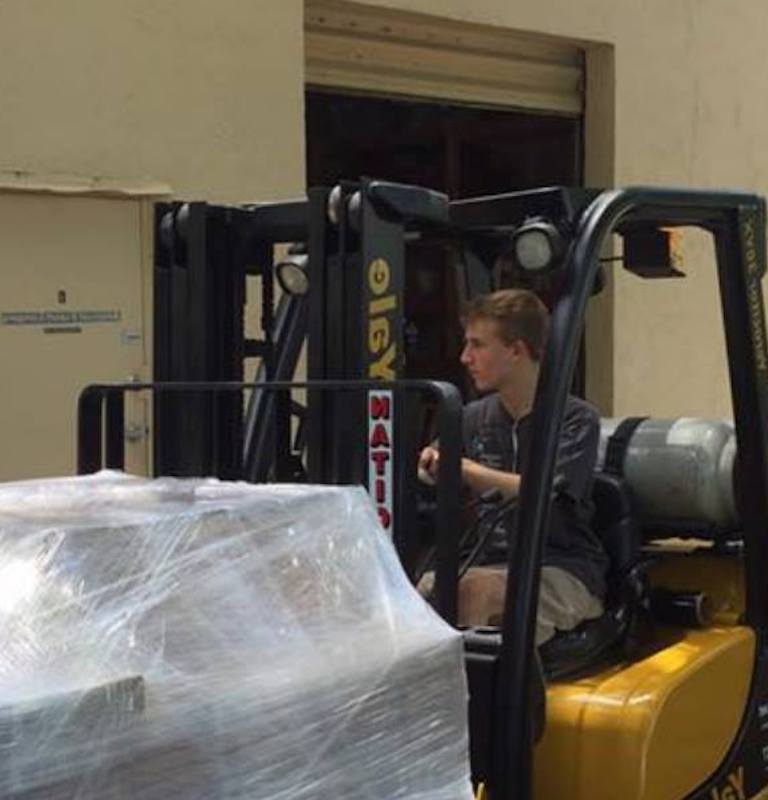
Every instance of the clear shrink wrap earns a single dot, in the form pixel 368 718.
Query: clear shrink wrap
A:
pixel 180 639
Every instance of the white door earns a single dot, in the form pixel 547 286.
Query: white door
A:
pixel 75 277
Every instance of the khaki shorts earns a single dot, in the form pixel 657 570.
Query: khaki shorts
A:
pixel 564 601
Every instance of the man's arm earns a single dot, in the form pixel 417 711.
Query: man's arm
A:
pixel 575 459
pixel 577 449
pixel 576 456
pixel 480 478
pixel 477 477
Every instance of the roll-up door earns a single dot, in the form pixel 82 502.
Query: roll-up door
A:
pixel 384 51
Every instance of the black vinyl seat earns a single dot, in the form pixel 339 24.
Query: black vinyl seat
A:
pixel 570 652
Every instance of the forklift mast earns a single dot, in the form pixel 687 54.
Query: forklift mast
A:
pixel 351 242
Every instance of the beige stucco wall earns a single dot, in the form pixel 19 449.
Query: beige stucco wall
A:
pixel 208 99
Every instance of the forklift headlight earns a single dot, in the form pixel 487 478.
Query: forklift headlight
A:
pixel 537 245
pixel 292 275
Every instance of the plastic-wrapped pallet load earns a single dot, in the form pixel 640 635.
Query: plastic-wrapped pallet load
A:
pixel 200 640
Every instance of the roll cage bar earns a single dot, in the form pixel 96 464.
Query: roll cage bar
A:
pixel 737 223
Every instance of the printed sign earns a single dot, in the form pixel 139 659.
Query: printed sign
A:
pixel 380 413
pixel 49 318
pixel 732 789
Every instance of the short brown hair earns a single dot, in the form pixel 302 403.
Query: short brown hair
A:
pixel 519 316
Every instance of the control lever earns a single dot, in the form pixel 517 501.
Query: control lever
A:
pixel 489 497
pixel 499 513
pixel 559 489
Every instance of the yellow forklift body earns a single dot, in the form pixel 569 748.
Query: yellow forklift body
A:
pixel 655 729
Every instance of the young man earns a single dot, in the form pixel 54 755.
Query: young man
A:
pixel 504 335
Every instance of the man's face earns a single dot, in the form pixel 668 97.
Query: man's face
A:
pixel 491 362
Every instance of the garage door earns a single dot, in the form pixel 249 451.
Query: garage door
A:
pixel 389 52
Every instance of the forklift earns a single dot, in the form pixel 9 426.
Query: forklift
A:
pixel 654 700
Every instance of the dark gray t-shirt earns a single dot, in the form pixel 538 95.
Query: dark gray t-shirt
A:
pixel 494 438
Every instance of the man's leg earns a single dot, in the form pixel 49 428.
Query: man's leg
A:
pixel 481 595
pixel 564 602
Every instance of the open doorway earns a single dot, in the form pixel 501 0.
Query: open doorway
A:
pixel 460 150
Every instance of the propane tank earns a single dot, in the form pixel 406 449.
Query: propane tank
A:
pixel 679 470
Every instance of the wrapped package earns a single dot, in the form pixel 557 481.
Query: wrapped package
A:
pixel 192 639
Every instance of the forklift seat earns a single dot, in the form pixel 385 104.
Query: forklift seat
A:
pixel 570 652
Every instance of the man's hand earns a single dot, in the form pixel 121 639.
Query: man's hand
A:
pixel 429 463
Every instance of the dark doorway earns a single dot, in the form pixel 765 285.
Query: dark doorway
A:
pixel 462 151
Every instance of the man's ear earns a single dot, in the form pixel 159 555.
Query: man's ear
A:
pixel 522 350
pixel 519 349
